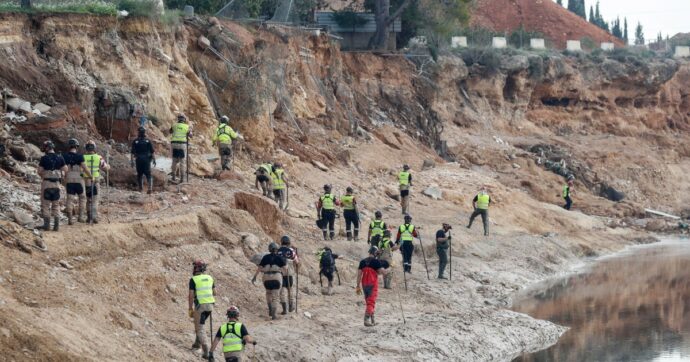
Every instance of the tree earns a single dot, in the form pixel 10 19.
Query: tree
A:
pixel 384 19
pixel 592 19
pixel 625 31
pixel 639 35
pixel 578 7
pixel 26 4
pixel 559 2
pixel 616 28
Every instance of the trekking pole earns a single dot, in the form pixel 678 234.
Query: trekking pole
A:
pixel 450 252
pixel 402 311
pixel 287 196
pixel 107 183
pixel 338 274
pixel 187 160
pixel 210 317
pixel 296 290
pixel 404 276
pixel 424 255
pixel 93 183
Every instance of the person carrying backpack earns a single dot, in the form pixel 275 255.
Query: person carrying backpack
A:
pixel 368 281
pixel 327 267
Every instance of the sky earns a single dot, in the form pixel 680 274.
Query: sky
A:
pixel 665 16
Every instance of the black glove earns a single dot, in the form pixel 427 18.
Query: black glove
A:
pixel 131 163
pixel 210 357
pixel 254 343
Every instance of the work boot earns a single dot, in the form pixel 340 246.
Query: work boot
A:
pixel 292 307
pixel 367 321
pixel 46 224
pixel 441 277
pixel 284 305
pixel 69 220
pixel 332 235
pixel 373 322
pixel 325 235
pixel 196 344
pixel 356 235
pixel 329 290
pixel 204 353
pixel 349 236
pixel 56 225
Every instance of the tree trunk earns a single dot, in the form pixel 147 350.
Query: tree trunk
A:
pixel 26 4
pixel 384 20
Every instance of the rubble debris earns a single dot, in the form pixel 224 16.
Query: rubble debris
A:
pixel 662 214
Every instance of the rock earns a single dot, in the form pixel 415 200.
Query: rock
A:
pixel 392 193
pixel 214 30
pixel 256 258
pixel 213 21
pixel 19 104
pixel 250 241
pixel 66 265
pixel 428 164
pixel 229 175
pixel 655 225
pixel 307 314
pixel 41 107
pixel 22 217
pixel 319 165
pixel 5 332
pixel 203 42
pixel 516 166
pixel 434 192
pixel 610 193
pixel 264 210
pixel 25 152
pixel 298 214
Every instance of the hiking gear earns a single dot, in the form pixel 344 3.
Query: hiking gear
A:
pixel 48 145
pixel 338 275
pixel 210 326
pixel 277 178
pixel 224 119
pixel 233 312
pixel 285 240
pixel 231 333
pixel 377 227
pixel 373 321
pixel 296 289
pixel 90 146
pixel 181 117
pixel 328 201
pixel 272 247
pixel 405 275
pixel 349 189
pixel 187 165
pixel 46 224
pixel 284 306
pixel 179 132
pixel 326 259
pixel 196 344
pixel 327 188
pixel 348 202
pixel 272 312
pixel 483 201
pixel 424 255
pixel 203 285
pixel 406 167
pixel 404 178
pixel 199 266
pixel 73 143
pixel 367 322
pixel 408 218
pixel 56 223
pixel 566 191
pixel 406 231
pixel 93 162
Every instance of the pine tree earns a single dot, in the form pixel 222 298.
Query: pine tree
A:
pixel 625 31
pixel 639 34
pixel 578 7
pixel 659 38
pixel 616 28
pixel 559 2
pixel 592 19
pixel 597 13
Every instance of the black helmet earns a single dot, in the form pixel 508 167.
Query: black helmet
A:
pixel 285 240
pixel 73 143
pixel 90 146
pixel 327 248
pixel 142 131
pixel 199 266
pixel 272 247
pixel 181 118
pixel 233 312
pixel 277 165
pixel 349 189
pixel 224 119
pixel 378 214
pixel 373 250
pixel 408 218
pixel 48 145
pixel 327 187
pixel 406 167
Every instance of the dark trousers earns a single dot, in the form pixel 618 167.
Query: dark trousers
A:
pixel 568 202
pixel 485 219
pixel 144 171
pixel 442 259
pixel 329 217
pixel 407 248
pixel 351 219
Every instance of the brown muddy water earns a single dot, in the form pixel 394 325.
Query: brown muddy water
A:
pixel 634 306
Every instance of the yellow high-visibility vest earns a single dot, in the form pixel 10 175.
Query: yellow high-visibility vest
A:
pixel 483 201
pixel 203 285
pixel 232 337
pixel 404 178
pixel 406 232
pixel 180 131
pixel 93 162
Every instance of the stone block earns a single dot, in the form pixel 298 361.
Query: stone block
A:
pixel 499 42
pixel 458 42
pixel 607 46
pixel 537 43
pixel 573 46
pixel 682 52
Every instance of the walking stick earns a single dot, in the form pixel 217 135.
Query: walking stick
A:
pixel 93 183
pixel 296 282
pixel 405 276
pixel 402 311
pixel 287 196
pixel 338 274
pixel 450 251
pixel 424 255
pixel 187 147
pixel 210 317
pixel 107 183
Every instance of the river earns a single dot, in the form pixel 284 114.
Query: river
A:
pixel 633 306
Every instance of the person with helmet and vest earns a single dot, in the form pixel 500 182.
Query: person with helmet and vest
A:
pixel 142 155
pixel 325 209
pixel 442 245
pixel 95 163
pixel 404 183
pixel 567 191
pixel 405 238
pixel 386 248
pixel 376 229
pixel 273 267
pixel 279 182
pixel 287 292
pixel 74 183
pixel 351 214
pixel 263 178
pixel 51 168
pixel 234 335
pixel 481 204
pixel 223 139
pixel 327 268
pixel 368 281
pixel 180 135
pixel 202 291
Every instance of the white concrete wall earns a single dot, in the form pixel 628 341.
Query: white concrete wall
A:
pixel 607 46
pixel 458 42
pixel 499 42
pixel 682 52
pixel 573 45
pixel 537 43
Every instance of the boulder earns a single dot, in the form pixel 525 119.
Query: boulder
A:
pixel 392 193
pixel 264 210
pixel 203 42
pixel 611 193
pixel 18 104
pixel 250 241
pixel 230 176
pixel 122 174
pixel 319 165
pixel 434 192
pixel 655 225
pixel 22 217
pixel 428 164
pixel 41 107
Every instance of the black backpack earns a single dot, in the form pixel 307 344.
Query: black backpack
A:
pixel 327 261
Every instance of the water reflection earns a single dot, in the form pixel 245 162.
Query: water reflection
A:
pixel 628 308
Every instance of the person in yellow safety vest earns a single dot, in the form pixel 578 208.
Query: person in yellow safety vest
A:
pixel 51 168
pixel 74 183
pixel 351 214
pixel 386 248
pixel 223 139
pixel 567 191
pixel 263 178
pixel 234 335
pixel 376 229
pixel 405 182
pixel 202 291
pixel 95 163
pixel 181 133
pixel 325 209
pixel 405 237
pixel 279 182
pixel 481 204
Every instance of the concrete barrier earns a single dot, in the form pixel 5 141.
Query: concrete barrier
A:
pixel 573 46
pixel 537 43
pixel 682 52
pixel 607 46
pixel 499 42
pixel 458 42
